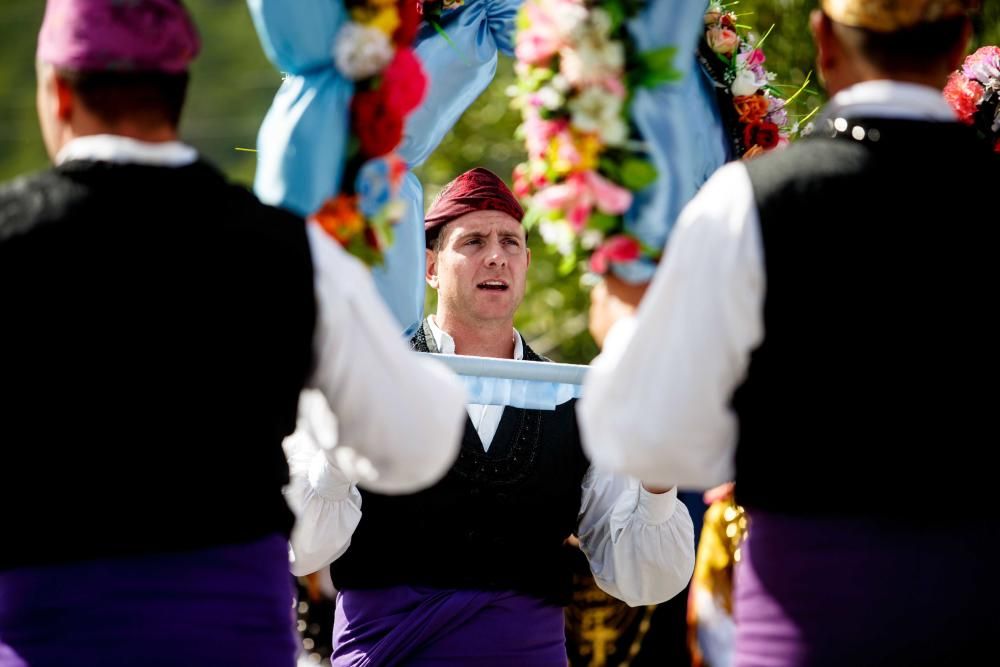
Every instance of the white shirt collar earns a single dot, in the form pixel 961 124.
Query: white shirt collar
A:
pixel 125 150
pixel 889 99
pixel 446 344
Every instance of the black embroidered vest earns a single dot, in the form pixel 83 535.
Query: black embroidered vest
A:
pixel 497 521
pixel 867 395
pixel 156 332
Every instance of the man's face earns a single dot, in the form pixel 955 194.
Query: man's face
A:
pixel 479 267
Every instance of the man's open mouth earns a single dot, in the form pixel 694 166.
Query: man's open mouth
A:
pixel 496 285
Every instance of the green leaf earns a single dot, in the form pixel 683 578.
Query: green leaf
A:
pixel 603 221
pixel 638 174
pixel 616 11
pixel 609 168
pixel 567 264
pixel 532 217
pixel 657 67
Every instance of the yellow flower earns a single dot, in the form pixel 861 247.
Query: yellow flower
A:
pixel 559 157
pixel 589 147
pixel 386 20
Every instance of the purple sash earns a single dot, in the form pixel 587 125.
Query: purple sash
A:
pixel 423 626
pixel 228 605
pixel 859 592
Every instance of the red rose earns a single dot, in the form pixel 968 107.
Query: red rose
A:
pixel 765 135
pixel 964 95
pixel 410 13
pixel 373 121
pixel 618 248
pixel 403 83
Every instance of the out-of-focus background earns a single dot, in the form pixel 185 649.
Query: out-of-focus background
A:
pixel 232 87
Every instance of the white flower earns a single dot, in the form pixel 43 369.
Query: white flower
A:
pixel 560 83
pixel 592 60
pixel 746 83
pixel 549 97
pixel 596 110
pixel 614 131
pixel 600 20
pixel 591 238
pixel 361 52
pixel 558 233
pixel 568 17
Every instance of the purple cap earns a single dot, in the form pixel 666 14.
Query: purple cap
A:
pixel 118 35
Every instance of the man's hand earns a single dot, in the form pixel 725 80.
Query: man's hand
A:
pixel 610 300
pixel 656 490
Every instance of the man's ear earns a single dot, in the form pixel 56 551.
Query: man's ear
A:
pixel 65 99
pixel 529 257
pixel 822 33
pixel 430 271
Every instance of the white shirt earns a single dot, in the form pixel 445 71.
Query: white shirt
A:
pixel 486 418
pixel 401 416
pixel 656 401
pixel 640 545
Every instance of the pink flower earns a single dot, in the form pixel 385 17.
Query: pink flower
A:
pixel 984 65
pixel 573 196
pixel 610 198
pixel 558 197
pixel 615 86
pixel 755 57
pixel 535 47
pixel 541 40
pixel 618 248
pixel 579 214
pixel 522 181
pixel 723 40
pixel 566 151
pixel 539 132
pixel 964 95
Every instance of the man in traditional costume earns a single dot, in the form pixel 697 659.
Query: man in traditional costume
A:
pixel 159 325
pixel 830 299
pixel 476 569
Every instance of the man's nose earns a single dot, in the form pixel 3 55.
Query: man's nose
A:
pixel 495 255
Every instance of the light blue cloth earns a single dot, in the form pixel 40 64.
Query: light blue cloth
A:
pixel 680 122
pixel 526 394
pixel 301 144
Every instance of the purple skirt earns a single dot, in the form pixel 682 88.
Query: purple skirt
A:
pixel 838 592
pixel 420 627
pixel 228 605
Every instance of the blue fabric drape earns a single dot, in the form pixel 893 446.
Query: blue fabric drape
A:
pixel 680 122
pixel 300 147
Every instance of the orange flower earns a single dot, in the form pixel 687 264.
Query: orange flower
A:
pixel 340 218
pixel 751 108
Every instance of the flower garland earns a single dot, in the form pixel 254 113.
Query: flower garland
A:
pixel 752 108
pixel 974 93
pixel 576 72
pixel 374 51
